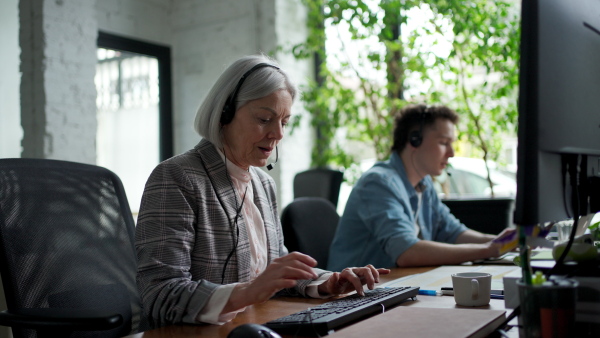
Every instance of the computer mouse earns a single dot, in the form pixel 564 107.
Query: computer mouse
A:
pixel 252 331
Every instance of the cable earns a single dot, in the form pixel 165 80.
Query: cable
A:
pixel 412 161
pixel 564 169
pixel 233 224
pixel 235 219
pixel 310 321
pixel 510 317
pixel 574 179
pixel 237 234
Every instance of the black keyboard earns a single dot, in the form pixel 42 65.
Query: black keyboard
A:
pixel 321 319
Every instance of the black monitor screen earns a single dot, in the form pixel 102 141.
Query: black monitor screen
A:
pixel 559 108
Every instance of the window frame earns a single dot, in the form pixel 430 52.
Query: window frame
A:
pixel 165 99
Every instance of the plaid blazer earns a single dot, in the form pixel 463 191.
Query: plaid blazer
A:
pixel 185 232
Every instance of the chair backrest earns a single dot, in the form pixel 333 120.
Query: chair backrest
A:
pixel 67 241
pixel 319 182
pixel 309 224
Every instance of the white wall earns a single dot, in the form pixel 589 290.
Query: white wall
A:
pixel 208 35
pixel 147 20
pixel 58 94
pixel 10 119
pixel 205 36
pixel 297 147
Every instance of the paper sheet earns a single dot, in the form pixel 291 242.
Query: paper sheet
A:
pixel 441 277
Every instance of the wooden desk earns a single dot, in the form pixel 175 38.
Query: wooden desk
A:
pixel 279 307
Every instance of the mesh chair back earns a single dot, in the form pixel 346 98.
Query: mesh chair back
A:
pixel 66 240
pixel 309 224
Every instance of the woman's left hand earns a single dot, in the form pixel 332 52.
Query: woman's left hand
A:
pixel 351 279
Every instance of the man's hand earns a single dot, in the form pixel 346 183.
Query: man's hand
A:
pixel 504 242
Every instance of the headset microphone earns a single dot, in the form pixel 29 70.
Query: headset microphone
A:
pixel 270 166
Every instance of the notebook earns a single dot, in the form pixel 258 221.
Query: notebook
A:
pixel 408 321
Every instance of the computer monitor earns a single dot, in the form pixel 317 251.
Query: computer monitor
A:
pixel 559 110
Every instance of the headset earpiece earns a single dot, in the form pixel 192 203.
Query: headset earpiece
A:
pixel 229 108
pixel 415 138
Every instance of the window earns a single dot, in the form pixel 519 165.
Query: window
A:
pixel 133 84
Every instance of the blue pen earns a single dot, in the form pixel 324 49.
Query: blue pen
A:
pixel 428 292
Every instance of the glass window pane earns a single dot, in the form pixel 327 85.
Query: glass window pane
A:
pixel 128 118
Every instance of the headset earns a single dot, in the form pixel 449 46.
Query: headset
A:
pixel 229 109
pixel 226 117
pixel 416 136
pixel 233 224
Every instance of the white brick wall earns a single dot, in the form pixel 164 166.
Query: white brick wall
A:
pixel 296 148
pixel 58 38
pixel 10 78
pixel 58 58
pixel 58 111
pixel 140 19
pixel 207 36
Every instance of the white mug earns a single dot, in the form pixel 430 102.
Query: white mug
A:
pixel 472 288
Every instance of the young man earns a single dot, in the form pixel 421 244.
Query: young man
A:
pixel 393 216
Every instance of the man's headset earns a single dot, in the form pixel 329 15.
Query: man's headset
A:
pixel 229 108
pixel 416 136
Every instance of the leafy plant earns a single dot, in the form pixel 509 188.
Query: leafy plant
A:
pixel 595 230
pixel 463 54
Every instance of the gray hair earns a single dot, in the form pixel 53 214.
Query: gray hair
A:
pixel 260 83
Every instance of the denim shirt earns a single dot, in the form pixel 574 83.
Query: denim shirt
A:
pixel 378 224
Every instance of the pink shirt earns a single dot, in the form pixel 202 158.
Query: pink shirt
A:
pixel 242 184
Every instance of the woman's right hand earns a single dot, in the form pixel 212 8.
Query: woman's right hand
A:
pixel 282 273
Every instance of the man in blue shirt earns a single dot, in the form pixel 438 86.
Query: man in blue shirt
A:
pixel 394 217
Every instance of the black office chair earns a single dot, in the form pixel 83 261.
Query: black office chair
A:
pixel 309 224
pixel 67 257
pixel 319 182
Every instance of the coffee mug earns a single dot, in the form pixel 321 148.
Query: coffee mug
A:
pixel 472 288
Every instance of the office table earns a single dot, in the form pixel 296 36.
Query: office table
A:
pixel 279 307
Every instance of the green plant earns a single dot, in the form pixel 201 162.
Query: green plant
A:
pixel 476 73
pixel 595 231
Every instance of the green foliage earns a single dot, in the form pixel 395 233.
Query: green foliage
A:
pixel 477 75
pixel 595 231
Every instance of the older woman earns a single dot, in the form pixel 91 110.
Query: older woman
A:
pixel 209 240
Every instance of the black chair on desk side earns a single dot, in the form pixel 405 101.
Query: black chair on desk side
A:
pixel 309 224
pixel 67 256
pixel 319 182
pixel 487 215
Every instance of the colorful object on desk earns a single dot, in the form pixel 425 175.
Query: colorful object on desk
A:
pixel 429 292
pixel 508 242
pixel 511 241
pixel 497 294
pixel 538 278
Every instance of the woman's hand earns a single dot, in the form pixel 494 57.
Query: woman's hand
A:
pixel 282 273
pixel 351 279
